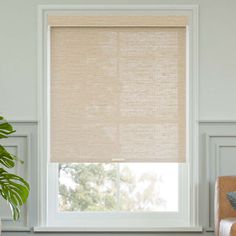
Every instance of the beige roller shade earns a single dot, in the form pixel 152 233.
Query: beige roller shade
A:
pixel 118 21
pixel 118 94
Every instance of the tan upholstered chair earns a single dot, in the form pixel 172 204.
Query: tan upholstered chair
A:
pixel 225 215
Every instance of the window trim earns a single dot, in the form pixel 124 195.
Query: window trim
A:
pixel 194 229
pixel 148 219
pixel 43 90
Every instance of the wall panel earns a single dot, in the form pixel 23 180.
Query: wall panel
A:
pixel 218 157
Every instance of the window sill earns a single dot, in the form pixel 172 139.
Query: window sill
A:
pixel 45 229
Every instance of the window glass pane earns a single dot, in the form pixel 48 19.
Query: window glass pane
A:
pixel 87 187
pixel 148 187
pixel 118 187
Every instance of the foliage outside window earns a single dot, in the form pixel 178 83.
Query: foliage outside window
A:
pixel 133 187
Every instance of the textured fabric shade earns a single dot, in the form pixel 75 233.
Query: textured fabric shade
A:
pixel 118 93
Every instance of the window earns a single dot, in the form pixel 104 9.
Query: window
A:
pixel 117 121
pixel 118 195
pixel 131 187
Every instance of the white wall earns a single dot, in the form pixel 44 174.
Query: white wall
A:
pixel 18 55
pixel 217 73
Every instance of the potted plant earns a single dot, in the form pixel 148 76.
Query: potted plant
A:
pixel 13 188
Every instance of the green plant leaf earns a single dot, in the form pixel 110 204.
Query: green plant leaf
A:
pixel 5 128
pixel 7 159
pixel 15 210
pixel 15 190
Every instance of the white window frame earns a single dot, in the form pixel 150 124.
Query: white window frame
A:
pixel 188 218
pixel 117 219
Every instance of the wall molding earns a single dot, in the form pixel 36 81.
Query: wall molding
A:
pixel 22 121
pixel 212 174
pixel 16 229
pixel 217 150
pixel 20 149
pixel 217 121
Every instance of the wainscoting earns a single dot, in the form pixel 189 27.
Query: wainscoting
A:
pixel 217 156
pixel 23 143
